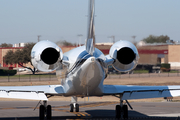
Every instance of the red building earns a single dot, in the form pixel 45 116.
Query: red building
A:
pixel 149 54
pixel 3 52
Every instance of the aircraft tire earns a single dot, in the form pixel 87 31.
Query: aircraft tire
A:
pixel 118 111
pixel 77 107
pixel 71 107
pixel 49 112
pixel 125 109
pixel 41 112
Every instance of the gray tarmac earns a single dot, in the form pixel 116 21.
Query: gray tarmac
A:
pixel 24 110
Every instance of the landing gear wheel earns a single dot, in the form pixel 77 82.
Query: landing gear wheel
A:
pixel 71 107
pixel 125 110
pixel 77 107
pixel 41 112
pixel 118 111
pixel 49 114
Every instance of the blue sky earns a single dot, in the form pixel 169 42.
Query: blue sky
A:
pixel 24 20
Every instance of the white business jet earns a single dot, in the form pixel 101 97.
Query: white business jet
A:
pixel 84 69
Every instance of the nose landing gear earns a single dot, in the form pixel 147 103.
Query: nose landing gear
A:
pixel 74 105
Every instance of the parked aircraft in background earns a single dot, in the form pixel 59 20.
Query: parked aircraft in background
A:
pixel 84 70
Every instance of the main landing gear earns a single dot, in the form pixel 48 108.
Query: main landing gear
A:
pixel 74 105
pixel 45 111
pixel 122 109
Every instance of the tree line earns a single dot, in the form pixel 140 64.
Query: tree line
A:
pixel 6 45
pixel 23 55
pixel 156 39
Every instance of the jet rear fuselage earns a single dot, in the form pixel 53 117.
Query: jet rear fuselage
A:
pixel 86 73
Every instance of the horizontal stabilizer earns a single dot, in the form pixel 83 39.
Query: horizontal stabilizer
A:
pixel 30 92
pixel 141 92
pixel 23 95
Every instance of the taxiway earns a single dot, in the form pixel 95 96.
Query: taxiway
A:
pixel 19 110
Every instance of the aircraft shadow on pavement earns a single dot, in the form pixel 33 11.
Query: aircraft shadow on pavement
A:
pixel 132 115
pixel 97 114
pixel 111 113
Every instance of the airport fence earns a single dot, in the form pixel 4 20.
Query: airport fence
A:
pixel 52 76
pixel 28 78
pixel 173 73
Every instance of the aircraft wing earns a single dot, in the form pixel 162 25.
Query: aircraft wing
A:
pixel 30 92
pixel 141 92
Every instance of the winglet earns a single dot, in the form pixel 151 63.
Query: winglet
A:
pixel 90 42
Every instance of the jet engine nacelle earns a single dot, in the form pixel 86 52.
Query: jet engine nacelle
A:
pixel 125 54
pixel 46 56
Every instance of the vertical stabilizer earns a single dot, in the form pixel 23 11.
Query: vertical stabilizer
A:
pixel 90 42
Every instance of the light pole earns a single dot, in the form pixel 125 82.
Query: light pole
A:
pixel 133 38
pixel 39 37
pixel 113 38
pixel 79 35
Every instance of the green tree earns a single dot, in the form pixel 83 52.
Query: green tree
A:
pixel 20 56
pixel 6 45
pixel 65 43
pixel 9 57
pixel 156 39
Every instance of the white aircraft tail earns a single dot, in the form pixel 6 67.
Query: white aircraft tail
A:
pixel 90 42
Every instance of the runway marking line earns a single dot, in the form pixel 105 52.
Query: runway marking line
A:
pixel 88 104
pixel 83 114
pixel 60 110
pixel 67 106
pixel 7 108
pixel 76 113
pixel 148 106
pixel 17 108
pixel 97 104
